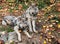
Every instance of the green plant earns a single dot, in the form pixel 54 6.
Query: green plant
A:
pixel 0 7
pixel 41 4
pixel 8 29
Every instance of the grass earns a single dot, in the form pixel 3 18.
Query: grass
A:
pixel 8 29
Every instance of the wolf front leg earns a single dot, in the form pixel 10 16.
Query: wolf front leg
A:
pixel 34 27
pixel 18 33
pixel 27 34
pixel 30 26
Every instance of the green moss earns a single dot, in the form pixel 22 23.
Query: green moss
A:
pixel 16 7
pixel 41 4
pixel 24 6
pixel 2 29
pixel 10 0
pixel 8 29
pixel 0 7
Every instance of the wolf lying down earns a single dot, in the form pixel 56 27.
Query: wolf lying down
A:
pixel 17 23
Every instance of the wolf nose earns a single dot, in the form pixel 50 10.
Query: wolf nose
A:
pixel 32 13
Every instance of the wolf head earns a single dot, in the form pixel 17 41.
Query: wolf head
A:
pixel 33 10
